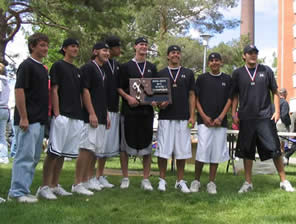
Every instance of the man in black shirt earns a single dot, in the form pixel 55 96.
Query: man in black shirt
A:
pixel 137 120
pixel 213 100
pixel 95 117
pixel 176 119
pixel 30 116
pixel 111 144
pixel 66 124
pixel 283 125
pixel 252 85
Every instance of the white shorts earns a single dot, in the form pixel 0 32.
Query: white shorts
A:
pixel 129 150
pixel 212 144
pixel 111 141
pixel 173 137
pixel 92 139
pixel 64 136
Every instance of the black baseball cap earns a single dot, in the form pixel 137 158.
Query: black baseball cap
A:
pixel 100 45
pixel 141 40
pixel 214 55
pixel 250 48
pixel 68 42
pixel 113 41
pixel 173 48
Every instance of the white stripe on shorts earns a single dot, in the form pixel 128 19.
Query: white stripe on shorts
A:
pixel 64 136
pixel 124 147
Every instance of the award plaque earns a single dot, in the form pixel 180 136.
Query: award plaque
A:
pixel 146 90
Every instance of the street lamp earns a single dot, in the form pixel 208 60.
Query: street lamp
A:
pixel 205 43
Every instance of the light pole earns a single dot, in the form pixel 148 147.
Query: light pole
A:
pixel 205 43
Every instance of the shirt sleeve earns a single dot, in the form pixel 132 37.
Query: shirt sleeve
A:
pixel 123 78
pixel 118 74
pixel 272 83
pixel 23 76
pixel 85 77
pixel 54 77
pixel 230 95
pixel 154 71
pixel 234 84
pixel 191 81
pixel 197 86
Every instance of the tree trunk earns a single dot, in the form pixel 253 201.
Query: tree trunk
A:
pixel 3 33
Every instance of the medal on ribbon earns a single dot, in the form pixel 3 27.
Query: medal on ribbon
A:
pixel 176 77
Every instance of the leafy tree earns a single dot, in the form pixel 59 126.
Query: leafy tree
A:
pixel 177 16
pixel 163 22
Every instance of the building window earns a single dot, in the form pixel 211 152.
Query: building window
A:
pixel 294 80
pixel 292 105
pixel 294 55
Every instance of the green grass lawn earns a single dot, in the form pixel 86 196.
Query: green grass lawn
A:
pixel 266 204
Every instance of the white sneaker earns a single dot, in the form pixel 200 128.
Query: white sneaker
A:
pixel 182 186
pixel 46 193
pixel 124 183
pixel 104 182
pixel 146 185
pixel 93 184
pixel 59 190
pixel 211 188
pixel 245 188
pixel 195 186
pixel 286 186
pixel 24 199
pixel 2 200
pixel 4 160
pixel 162 185
pixel 80 189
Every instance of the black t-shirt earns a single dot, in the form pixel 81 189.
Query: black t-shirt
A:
pixel 179 109
pixel 254 96
pixel 92 79
pixel 213 92
pixel 67 77
pixel 33 78
pixel 130 70
pixel 112 70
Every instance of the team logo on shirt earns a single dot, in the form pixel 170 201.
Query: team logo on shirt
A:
pixel 261 75
pixel 78 75
pixel 183 76
pixel 223 84
pixel 149 70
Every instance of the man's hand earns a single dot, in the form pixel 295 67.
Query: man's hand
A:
pixel 163 105
pixel 208 121
pixel 132 101
pixel 275 117
pixel 108 123
pixel 93 121
pixel 217 122
pixel 235 120
pixel 191 122
pixel 24 124
pixel 153 104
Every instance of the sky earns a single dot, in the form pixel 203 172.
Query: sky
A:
pixel 266 28
pixel 265 31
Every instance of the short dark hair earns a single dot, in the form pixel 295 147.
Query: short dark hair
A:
pixel 35 39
